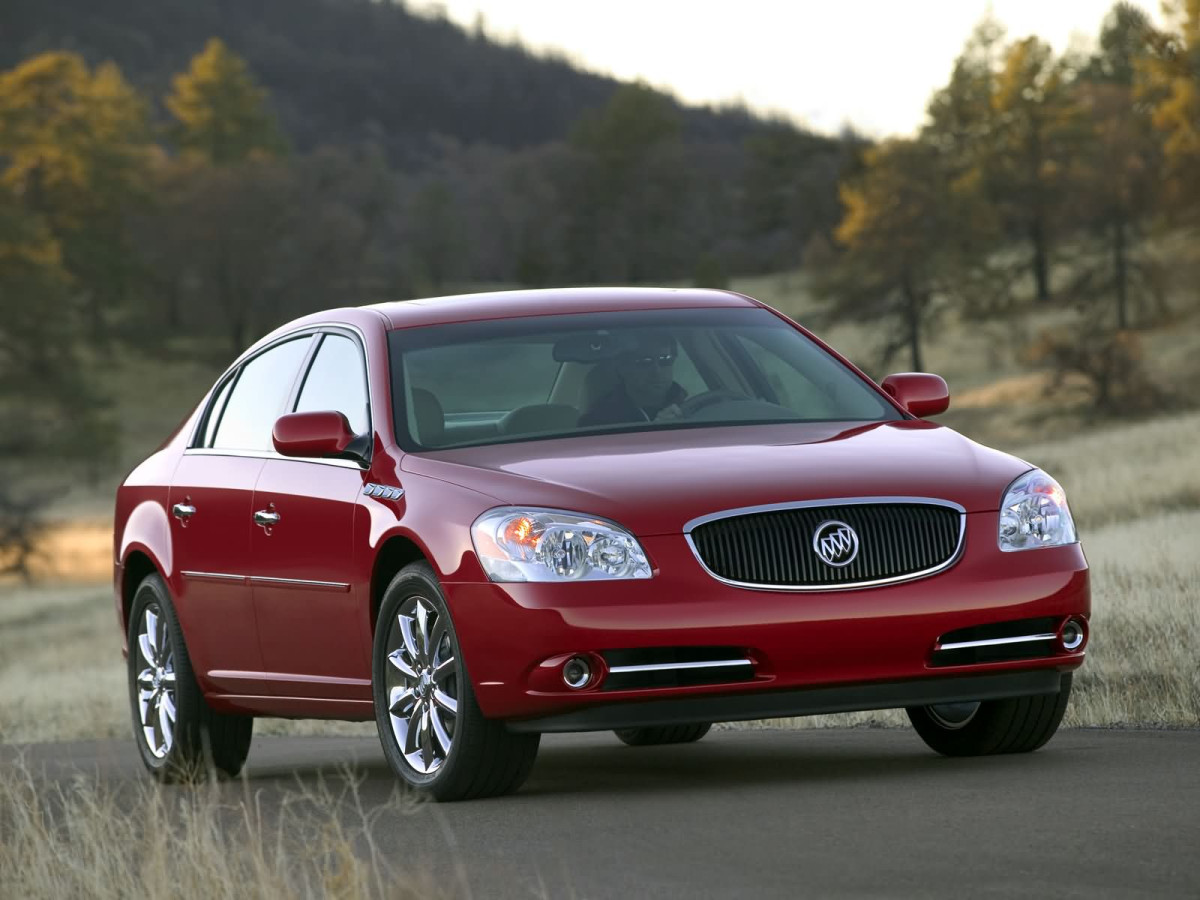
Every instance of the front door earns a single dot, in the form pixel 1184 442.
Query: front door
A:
pixel 309 611
pixel 309 614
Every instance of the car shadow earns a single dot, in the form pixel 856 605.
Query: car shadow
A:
pixel 600 764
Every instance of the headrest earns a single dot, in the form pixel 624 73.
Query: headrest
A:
pixel 430 419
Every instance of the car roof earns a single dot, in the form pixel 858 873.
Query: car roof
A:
pixel 557 301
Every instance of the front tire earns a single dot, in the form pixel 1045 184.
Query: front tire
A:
pixel 663 734
pixel 179 737
pixel 433 733
pixel 1017 725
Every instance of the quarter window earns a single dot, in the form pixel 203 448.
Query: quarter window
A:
pixel 259 396
pixel 336 381
pixel 214 413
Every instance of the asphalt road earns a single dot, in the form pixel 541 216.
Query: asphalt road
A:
pixel 780 814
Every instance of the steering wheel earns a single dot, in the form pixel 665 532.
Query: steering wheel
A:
pixel 693 405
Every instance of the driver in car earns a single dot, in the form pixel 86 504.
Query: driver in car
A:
pixel 646 390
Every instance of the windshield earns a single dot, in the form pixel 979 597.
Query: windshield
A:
pixel 648 370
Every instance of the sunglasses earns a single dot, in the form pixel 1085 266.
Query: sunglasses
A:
pixel 648 362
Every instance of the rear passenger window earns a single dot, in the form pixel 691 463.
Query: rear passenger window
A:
pixel 336 381
pixel 258 397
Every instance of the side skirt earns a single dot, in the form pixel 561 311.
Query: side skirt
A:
pixel 293 707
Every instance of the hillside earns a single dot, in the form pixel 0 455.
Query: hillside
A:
pixel 345 71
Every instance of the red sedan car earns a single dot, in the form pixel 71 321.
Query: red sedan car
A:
pixel 477 519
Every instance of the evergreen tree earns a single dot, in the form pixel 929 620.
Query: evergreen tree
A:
pixel 49 412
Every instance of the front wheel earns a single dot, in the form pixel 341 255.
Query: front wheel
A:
pixel 1017 725
pixel 433 734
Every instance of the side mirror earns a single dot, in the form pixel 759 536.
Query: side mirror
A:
pixel 325 433
pixel 920 393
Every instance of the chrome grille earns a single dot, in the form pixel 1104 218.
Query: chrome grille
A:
pixel 773 547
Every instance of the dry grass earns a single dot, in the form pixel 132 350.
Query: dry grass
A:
pixel 1123 473
pixel 61 671
pixel 62 676
pixel 83 839
pixel 78 551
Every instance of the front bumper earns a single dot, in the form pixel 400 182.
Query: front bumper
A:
pixel 866 648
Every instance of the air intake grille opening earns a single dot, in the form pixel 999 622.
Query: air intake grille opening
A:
pixel 998 642
pixel 775 548
pixel 659 667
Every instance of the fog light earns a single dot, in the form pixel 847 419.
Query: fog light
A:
pixel 577 673
pixel 1072 635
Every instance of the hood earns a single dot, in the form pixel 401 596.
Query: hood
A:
pixel 655 482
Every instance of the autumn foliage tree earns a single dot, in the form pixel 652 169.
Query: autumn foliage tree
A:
pixel 75 149
pixel 1170 81
pixel 897 235
pixel 219 110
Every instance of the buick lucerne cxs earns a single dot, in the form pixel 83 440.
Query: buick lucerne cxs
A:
pixel 478 519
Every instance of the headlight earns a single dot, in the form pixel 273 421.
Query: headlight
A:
pixel 1034 514
pixel 529 544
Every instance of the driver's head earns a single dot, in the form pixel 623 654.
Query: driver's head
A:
pixel 647 370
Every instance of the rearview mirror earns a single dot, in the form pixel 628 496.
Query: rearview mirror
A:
pixel 325 433
pixel 921 393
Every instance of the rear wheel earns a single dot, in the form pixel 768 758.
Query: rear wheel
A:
pixel 179 737
pixel 663 734
pixel 433 734
pixel 1017 725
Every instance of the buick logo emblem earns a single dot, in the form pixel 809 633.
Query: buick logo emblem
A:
pixel 835 542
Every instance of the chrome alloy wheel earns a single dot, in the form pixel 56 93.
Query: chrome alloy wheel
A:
pixel 422 685
pixel 156 682
pixel 953 716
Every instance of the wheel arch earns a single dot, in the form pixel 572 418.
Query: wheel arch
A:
pixel 394 553
pixel 138 564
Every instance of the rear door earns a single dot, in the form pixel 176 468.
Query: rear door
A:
pixel 309 614
pixel 211 501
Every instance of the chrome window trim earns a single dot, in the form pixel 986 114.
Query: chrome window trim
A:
pixel 272 454
pixel 666 667
pixel 246 357
pixel 995 642
pixel 312 330
pixel 838 501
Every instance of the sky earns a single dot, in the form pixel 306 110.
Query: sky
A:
pixel 824 63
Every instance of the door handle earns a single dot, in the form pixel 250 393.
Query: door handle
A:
pixel 266 518
pixel 183 510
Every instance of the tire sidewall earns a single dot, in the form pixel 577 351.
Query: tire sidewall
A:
pixel 419 581
pixel 152 590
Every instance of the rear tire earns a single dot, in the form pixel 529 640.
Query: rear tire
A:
pixel 433 733
pixel 1018 725
pixel 663 734
pixel 179 737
